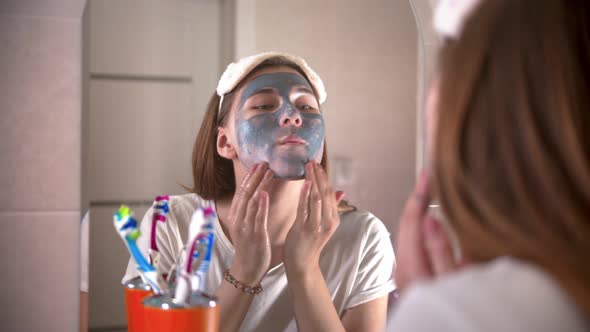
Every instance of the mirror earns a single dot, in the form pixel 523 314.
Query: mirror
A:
pixel 150 68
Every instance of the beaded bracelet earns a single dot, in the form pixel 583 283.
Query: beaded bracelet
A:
pixel 246 289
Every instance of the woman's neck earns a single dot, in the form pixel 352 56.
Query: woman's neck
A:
pixel 284 198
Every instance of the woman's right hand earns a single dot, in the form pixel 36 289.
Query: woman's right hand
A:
pixel 423 249
pixel 248 220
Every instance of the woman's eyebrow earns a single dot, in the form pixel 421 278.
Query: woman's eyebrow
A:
pixel 302 88
pixel 263 91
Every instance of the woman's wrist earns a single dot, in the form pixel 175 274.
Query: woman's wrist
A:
pixel 303 283
pixel 246 274
pixel 302 274
pixel 246 288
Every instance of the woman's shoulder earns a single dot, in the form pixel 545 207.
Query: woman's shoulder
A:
pixel 185 199
pixel 361 231
pixel 505 275
pixel 362 222
pixel 184 205
pixel 504 294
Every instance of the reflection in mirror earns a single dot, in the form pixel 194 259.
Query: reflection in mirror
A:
pixel 151 67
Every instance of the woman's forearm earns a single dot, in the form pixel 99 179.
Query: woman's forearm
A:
pixel 233 302
pixel 314 310
pixel 233 305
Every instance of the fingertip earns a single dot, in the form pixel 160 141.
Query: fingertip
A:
pixel 268 174
pixel 340 196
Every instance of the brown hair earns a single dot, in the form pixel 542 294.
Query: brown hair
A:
pixel 511 166
pixel 213 175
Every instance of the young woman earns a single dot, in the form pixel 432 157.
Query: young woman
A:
pixel 260 157
pixel 511 170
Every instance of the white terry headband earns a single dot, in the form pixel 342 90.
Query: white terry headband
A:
pixel 236 71
pixel 450 15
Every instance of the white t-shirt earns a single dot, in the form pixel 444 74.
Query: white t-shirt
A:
pixel 357 264
pixel 503 295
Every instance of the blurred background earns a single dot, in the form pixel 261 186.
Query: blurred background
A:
pixel 101 101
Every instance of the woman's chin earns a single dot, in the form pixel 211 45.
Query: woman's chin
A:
pixel 291 171
pixel 290 177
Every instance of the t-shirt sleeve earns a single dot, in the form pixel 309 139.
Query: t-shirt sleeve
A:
pixel 167 258
pixel 422 309
pixel 377 260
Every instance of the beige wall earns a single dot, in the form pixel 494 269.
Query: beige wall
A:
pixel 150 68
pixel 366 52
pixel 367 56
pixel 40 100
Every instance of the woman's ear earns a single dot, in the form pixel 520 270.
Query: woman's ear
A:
pixel 224 146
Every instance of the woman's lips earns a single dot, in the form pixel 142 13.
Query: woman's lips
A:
pixel 292 140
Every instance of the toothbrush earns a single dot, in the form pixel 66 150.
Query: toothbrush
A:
pixel 183 276
pixel 205 250
pixel 126 227
pixel 161 209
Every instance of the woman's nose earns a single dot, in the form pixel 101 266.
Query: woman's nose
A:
pixel 291 117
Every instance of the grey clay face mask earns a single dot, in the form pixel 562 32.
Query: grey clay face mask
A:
pixel 286 137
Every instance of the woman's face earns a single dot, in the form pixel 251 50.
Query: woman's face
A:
pixel 277 120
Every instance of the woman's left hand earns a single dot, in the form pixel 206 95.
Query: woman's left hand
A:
pixel 423 249
pixel 317 219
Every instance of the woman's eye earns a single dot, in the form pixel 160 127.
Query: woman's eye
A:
pixel 305 107
pixel 264 107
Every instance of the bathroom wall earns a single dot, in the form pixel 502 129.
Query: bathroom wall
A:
pixel 367 54
pixel 368 49
pixel 40 100
pixel 150 68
